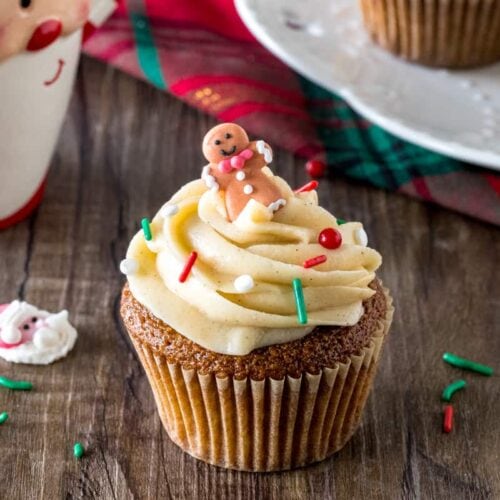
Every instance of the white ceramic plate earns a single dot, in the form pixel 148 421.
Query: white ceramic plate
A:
pixel 454 113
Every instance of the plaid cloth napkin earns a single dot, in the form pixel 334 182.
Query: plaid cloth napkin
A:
pixel 203 54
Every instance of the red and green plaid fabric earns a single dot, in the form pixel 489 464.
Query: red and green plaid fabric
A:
pixel 202 53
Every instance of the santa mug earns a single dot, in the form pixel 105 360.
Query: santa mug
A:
pixel 40 43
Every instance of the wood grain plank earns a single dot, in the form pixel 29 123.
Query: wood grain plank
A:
pixel 124 150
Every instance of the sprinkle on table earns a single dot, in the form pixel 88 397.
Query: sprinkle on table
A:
pixel 448 419
pixel 452 388
pixel 310 186
pixel 78 450
pixel 467 364
pixel 315 261
pixel 341 221
pixel 3 417
pixel 187 268
pixel 146 228
pixel 299 301
pixel 15 385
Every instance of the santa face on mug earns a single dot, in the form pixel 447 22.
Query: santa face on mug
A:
pixel 39 49
pixel 33 25
pixel 40 43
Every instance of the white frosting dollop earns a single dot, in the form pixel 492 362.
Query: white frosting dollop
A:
pixel 215 307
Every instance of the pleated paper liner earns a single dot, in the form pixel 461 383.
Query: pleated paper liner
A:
pixel 265 425
pixel 443 33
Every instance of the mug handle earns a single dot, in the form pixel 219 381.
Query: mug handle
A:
pixel 100 10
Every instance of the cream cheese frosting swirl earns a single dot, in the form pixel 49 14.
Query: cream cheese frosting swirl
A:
pixel 209 309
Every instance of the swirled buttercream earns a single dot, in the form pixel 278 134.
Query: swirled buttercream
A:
pixel 268 247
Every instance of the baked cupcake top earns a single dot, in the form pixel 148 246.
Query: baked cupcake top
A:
pixel 227 261
pixel 30 25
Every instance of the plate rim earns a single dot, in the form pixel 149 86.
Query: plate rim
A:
pixel 455 150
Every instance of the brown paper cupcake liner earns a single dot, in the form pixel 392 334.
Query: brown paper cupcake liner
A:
pixel 444 33
pixel 263 425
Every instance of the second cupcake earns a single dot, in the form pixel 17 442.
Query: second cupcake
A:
pixel 443 33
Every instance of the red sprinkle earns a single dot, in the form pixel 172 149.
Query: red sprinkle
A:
pixel 448 419
pixel 330 238
pixel 314 261
pixel 187 268
pixel 310 186
pixel 316 168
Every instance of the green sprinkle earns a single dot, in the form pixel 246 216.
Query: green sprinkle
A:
pixel 147 229
pixel 15 385
pixel 78 450
pixel 341 221
pixel 3 417
pixel 452 388
pixel 299 301
pixel 467 364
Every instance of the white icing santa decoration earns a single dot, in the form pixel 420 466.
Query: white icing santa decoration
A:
pixel 34 336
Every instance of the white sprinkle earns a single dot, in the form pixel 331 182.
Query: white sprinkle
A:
pixel 244 283
pixel 240 175
pixel 361 237
pixel 248 189
pixel 129 266
pixel 169 210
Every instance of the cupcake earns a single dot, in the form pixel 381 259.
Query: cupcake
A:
pixel 444 33
pixel 256 314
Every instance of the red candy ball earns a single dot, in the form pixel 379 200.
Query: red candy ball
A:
pixel 330 238
pixel 315 168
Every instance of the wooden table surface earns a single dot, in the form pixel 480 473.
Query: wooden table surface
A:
pixel 124 150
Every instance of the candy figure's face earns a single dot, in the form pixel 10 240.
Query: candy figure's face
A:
pixel 33 25
pixel 20 327
pixel 224 141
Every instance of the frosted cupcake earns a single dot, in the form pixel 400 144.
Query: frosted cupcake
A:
pixel 257 315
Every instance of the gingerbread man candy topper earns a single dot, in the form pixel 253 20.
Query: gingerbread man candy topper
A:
pixel 235 167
